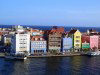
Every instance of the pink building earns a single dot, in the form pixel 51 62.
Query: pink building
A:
pixel 94 41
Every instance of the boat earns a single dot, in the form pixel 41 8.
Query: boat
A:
pixel 15 57
pixel 93 53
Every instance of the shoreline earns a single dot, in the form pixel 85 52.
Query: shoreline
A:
pixel 2 55
pixel 53 56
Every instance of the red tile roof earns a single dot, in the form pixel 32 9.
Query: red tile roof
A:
pixel 38 38
pixel 57 30
pixel 36 30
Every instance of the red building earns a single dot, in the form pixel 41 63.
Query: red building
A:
pixel 85 38
pixel 85 41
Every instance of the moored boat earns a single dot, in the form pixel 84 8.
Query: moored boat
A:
pixel 15 57
pixel 93 53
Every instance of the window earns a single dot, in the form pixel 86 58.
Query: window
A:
pixel 58 45
pixel 77 36
pixel 77 40
pixel 77 44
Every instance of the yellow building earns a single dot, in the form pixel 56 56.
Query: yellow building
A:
pixel 77 40
pixel 76 35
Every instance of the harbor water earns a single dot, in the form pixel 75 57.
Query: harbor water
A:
pixel 76 65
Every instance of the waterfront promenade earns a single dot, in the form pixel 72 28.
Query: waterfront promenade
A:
pixel 67 54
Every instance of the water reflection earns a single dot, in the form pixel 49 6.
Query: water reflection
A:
pixel 53 66
pixel 77 65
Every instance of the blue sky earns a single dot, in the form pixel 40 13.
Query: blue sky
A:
pixel 50 12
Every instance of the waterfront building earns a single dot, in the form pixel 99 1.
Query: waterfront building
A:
pixel 94 39
pixel 36 32
pixel 67 44
pixel 4 32
pixel 1 39
pixel 7 39
pixel 85 41
pixel 38 45
pixel 4 40
pixel 20 43
pixel 19 28
pixel 91 31
pixel 99 41
pixel 76 35
pixel 55 39
pixel 1 36
pixel 12 32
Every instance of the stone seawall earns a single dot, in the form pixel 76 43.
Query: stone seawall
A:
pixel 52 55
pixel 63 55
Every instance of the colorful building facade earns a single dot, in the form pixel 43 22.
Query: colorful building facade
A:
pixel 85 45
pixel 85 41
pixel 99 42
pixel 76 35
pixel 77 39
pixel 94 39
pixel 67 44
pixel 38 45
pixel 55 39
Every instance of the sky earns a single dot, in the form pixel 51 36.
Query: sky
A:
pixel 50 12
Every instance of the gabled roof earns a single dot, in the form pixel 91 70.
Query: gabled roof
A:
pixel 72 31
pixel 92 30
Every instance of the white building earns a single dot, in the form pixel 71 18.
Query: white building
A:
pixel 19 28
pixel 20 43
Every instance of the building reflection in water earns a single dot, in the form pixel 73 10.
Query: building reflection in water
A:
pixel 76 65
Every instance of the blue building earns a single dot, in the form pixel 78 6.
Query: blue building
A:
pixel 38 46
pixel 67 44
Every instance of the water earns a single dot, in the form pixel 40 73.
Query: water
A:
pixel 67 28
pixel 76 65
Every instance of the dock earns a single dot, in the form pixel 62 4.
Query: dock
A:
pixel 52 55
pixel 2 55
